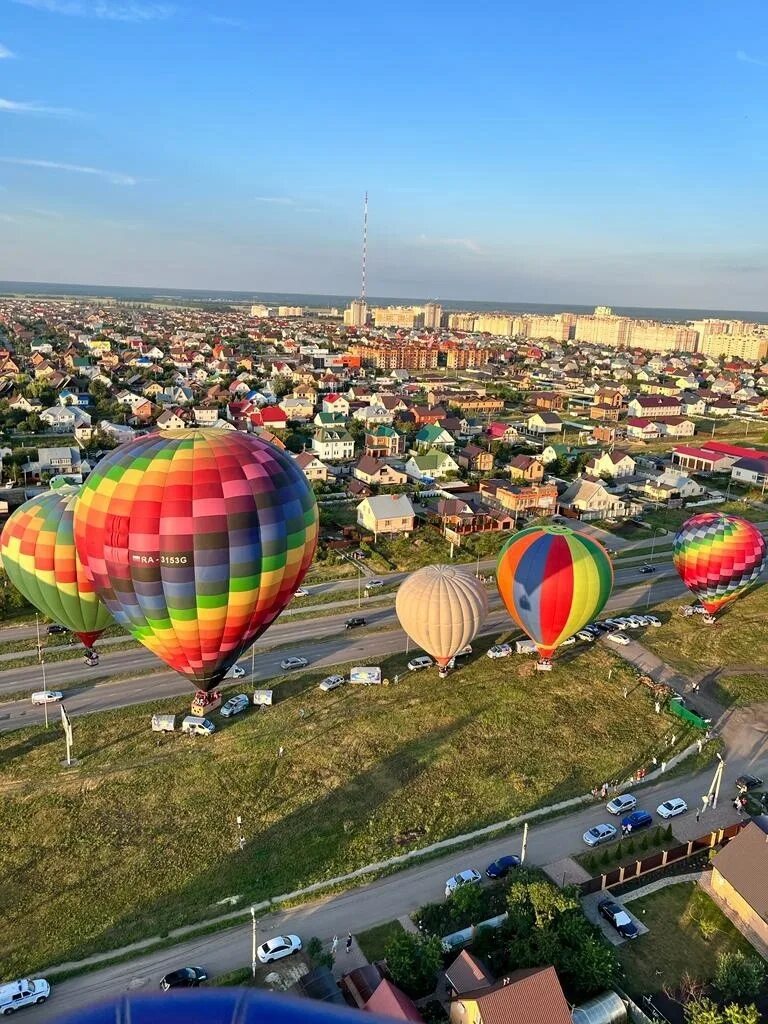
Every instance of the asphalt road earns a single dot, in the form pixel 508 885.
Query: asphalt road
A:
pixel 403 892
pixel 98 693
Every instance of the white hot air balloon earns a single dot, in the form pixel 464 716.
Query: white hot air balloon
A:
pixel 441 608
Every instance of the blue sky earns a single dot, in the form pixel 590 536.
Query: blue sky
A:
pixel 542 152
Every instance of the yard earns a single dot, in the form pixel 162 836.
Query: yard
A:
pixel 686 934
pixel 737 641
pixel 141 836
pixel 673 518
pixel 428 547
pixel 374 942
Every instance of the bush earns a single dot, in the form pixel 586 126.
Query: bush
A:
pixel 644 843
pixel 433 1013
pixel 414 961
pixel 657 836
pixel 605 860
pixel 668 832
pixel 618 852
pixel 739 977
pixel 631 846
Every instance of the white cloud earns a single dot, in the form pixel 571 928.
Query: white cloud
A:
pixel 17 107
pixel 452 243
pixel 746 59
pixel 105 10
pixel 280 200
pixel 5 53
pixel 115 177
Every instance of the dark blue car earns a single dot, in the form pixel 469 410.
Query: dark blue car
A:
pixel 637 820
pixel 502 866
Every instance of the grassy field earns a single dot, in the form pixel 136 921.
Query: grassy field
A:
pixel 374 942
pixel 140 837
pixel 738 638
pixel 687 933
pixel 742 689
pixel 428 547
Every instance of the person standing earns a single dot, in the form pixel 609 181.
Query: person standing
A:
pixel 334 945
pixel 349 942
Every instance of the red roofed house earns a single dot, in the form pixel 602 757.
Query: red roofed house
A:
pixel 653 405
pixel 274 417
pixel 388 1001
pixel 701 460
pixel 643 429
pixel 335 403
pixel 531 996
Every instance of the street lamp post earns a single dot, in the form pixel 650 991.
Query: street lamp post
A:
pixel 41 659
pixel 253 942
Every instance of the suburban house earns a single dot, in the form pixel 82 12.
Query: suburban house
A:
pixel 330 419
pixel 525 467
pixel 457 517
pixel 170 420
pixel 502 432
pixel 641 429
pixel 312 468
pixel 701 460
pixel 383 442
pixel 431 435
pixel 517 498
pixel 389 1003
pixel 552 401
pixel 589 499
pixel 205 415
pixel 738 883
pixel 652 406
pixel 544 423
pixel 750 471
pixel 61 419
pixel 523 997
pixel 475 459
pixel 333 444
pixel 270 416
pixel 613 464
pixel 432 465
pixel 335 403
pixel 675 426
pixel 672 484
pixel 387 513
pixel 297 408
pixel 372 471
pixel 53 461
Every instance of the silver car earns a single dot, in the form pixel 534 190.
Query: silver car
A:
pixel 235 705
pixel 621 804
pixel 599 834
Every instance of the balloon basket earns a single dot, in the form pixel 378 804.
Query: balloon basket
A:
pixel 709 620
pixel 205 702
pixel 544 666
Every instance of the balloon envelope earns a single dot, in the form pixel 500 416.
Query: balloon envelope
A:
pixel 38 551
pixel 196 541
pixel 718 557
pixel 441 609
pixel 553 581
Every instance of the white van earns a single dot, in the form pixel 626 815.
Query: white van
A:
pixel 197 726
pixel 25 992
pixel 525 647
pixel 163 723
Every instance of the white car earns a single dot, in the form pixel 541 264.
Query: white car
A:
pixel 499 651
pixel 277 948
pixel 568 642
pixel 421 662
pixel 235 705
pixel 469 877
pixel 374 584
pixel 671 808
pixel 586 635
pixel 288 663
pixel 618 638
pixel 621 804
pixel 301 592
pixel 25 992
pixel 599 834
pixel 635 622
pixel 236 672
pixel 653 620
pixel 47 696
pixel 331 682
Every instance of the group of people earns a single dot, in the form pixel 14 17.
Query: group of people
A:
pixel 601 792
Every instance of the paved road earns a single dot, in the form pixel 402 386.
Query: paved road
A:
pixel 97 693
pixel 400 894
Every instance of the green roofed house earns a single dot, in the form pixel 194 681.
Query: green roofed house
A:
pixel 434 436
pixel 383 442
pixel 330 419
pixel 432 465
pixel 333 444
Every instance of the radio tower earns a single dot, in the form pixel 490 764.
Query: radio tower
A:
pixel 365 245
pixel 357 313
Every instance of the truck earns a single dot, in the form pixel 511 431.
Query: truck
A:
pixel 163 723
pixel 25 992
pixel 195 726
pixel 525 647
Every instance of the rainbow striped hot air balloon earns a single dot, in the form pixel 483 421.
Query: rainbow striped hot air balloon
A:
pixel 38 551
pixel 553 582
pixel 196 541
pixel 718 557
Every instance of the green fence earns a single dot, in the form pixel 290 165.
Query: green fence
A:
pixel 676 708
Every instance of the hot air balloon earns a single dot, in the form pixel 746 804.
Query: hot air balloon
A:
pixel 441 609
pixel 553 582
pixel 38 551
pixel 718 557
pixel 196 541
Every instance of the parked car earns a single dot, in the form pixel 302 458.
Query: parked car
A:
pixel 619 918
pixel 374 584
pixel 637 820
pixel 525 647
pixel 671 808
pixel 418 663
pixel 618 638
pixel 235 705
pixel 747 782
pixel 331 682
pixel 469 877
pixel 55 629
pixel 586 635
pixel 653 620
pixel 357 620
pixel 289 663
pixel 646 569
pixel 499 651
pixel 501 867
pixel 46 696
pixel 599 834
pixel 277 948
pixel 185 977
pixel 195 726
pixel 301 592
pixel 621 804
pixel 568 642
pixel 24 992
pixel 236 672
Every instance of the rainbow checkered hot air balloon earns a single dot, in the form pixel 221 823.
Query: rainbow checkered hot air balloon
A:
pixel 38 551
pixel 196 540
pixel 553 582
pixel 718 557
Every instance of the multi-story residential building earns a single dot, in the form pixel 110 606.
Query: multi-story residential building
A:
pixel 519 498
pixel 742 346
pixel 464 322
pixel 656 337
pixel 559 327
pixel 433 315
pixel 356 314
pixel 498 324
pixel 611 331
pixel 410 317
pixel 383 442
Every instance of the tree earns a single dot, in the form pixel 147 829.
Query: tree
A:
pixel 735 1014
pixel 739 976
pixel 468 903
pixel 414 960
pixel 703 1011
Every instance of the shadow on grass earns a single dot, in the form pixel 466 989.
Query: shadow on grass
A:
pixel 40 738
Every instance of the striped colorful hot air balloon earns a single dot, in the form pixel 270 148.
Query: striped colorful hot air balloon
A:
pixel 38 551
pixel 718 557
pixel 196 541
pixel 553 582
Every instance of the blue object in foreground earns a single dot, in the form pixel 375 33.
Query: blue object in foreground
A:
pixel 213 1006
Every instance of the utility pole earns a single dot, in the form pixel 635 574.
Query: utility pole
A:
pixel 253 942
pixel 41 659
pixel 525 843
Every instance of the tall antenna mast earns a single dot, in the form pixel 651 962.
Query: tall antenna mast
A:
pixel 365 245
